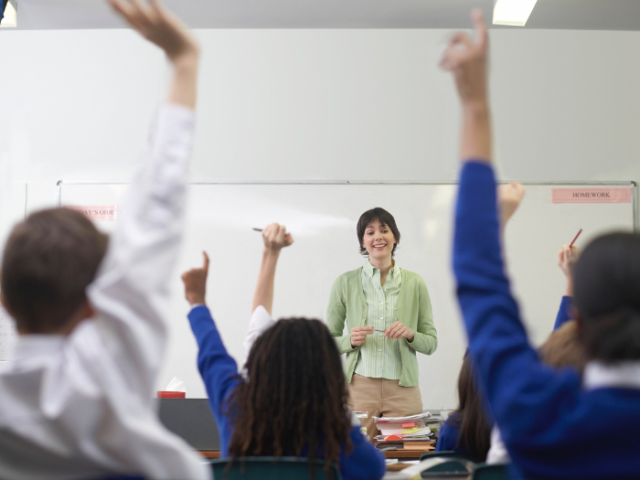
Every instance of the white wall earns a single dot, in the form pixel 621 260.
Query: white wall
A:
pixel 318 104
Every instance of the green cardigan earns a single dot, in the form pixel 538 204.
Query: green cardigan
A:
pixel 347 301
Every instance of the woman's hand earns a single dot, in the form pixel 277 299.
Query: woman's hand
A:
pixel 275 237
pixel 359 335
pixel 399 330
pixel 195 283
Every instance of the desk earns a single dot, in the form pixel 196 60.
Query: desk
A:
pixel 209 453
pixel 405 454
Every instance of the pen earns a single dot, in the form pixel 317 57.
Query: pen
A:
pixel 257 229
pixel 575 238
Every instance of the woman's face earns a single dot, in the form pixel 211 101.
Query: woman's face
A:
pixel 378 240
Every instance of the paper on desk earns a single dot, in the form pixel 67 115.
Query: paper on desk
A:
pixel 175 385
pixel 419 416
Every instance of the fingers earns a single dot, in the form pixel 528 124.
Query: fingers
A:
pixel 205 266
pixel 481 28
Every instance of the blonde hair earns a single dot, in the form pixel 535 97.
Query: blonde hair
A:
pixel 563 348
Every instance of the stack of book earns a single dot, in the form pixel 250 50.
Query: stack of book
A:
pixel 409 433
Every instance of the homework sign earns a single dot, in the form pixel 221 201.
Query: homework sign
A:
pixel 591 195
pixel 97 212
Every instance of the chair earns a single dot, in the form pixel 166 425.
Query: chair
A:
pixel 446 453
pixel 457 464
pixel 496 471
pixel 272 468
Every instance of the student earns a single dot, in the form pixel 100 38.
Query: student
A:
pixel 292 399
pixel 76 401
pixel 550 422
pixel 468 428
pixel 381 367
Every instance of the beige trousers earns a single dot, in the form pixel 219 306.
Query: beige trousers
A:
pixel 382 398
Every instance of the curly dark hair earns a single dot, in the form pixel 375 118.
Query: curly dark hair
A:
pixel 293 400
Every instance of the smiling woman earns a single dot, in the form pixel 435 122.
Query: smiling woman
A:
pixel 388 314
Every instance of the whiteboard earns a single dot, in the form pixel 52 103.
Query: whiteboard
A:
pixel 322 218
pixel 13 205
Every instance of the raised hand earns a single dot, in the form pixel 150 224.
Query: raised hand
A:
pixel 158 25
pixel 195 283
pixel 275 237
pixel 567 258
pixel 467 60
pixel 359 335
pixel 509 198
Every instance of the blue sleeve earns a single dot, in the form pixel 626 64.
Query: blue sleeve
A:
pixel 365 462
pixel 564 312
pixel 448 437
pixel 530 402
pixel 218 369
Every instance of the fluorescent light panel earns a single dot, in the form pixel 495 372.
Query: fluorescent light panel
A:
pixel 512 12
pixel 10 17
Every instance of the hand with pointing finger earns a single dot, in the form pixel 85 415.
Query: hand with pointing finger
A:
pixel 467 60
pixel 195 283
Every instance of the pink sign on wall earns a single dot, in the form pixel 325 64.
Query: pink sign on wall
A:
pixel 591 195
pixel 97 212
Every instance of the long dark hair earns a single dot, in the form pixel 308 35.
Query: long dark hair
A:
pixel 293 401
pixel 471 416
pixel 607 296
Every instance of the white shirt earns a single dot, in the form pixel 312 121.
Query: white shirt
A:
pixel 82 406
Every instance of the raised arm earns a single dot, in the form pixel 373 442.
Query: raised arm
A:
pixel 526 399
pixel 467 61
pixel 155 23
pixel 132 284
pixel 275 238
pixel 567 257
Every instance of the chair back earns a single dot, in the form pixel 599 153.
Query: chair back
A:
pixel 484 471
pixel 272 468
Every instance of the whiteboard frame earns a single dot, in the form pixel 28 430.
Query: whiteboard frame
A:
pixel 621 183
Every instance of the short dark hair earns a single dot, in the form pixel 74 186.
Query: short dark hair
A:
pixel 49 260
pixel 607 296
pixel 293 399
pixel 385 218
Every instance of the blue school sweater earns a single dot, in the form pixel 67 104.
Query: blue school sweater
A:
pixel 564 312
pixel 551 426
pixel 220 374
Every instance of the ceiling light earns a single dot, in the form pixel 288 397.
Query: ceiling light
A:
pixel 10 18
pixel 512 12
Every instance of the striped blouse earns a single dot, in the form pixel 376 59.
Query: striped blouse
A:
pixel 380 357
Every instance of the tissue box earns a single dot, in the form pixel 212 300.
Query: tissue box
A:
pixel 166 394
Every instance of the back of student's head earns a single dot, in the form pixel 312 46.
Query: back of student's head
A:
pixel 293 400
pixel 607 296
pixel 49 260
pixel 471 415
pixel 564 348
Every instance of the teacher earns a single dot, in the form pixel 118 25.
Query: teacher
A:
pixel 389 319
